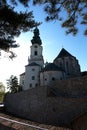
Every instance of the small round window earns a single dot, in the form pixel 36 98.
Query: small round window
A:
pixel 35 46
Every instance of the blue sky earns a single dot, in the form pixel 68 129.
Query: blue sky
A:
pixel 53 39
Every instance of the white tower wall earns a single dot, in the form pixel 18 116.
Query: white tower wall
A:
pixel 35 63
pixel 36 54
pixel 31 77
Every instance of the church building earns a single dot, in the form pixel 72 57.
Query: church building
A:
pixel 39 74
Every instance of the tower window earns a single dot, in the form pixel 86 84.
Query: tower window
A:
pixel 35 46
pixel 35 53
pixel 33 77
pixel 33 69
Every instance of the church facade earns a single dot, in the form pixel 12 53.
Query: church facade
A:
pixel 39 74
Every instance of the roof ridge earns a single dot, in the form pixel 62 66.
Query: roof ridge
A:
pixel 64 53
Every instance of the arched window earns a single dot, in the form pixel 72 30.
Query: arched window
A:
pixel 33 77
pixel 35 46
pixel 35 53
pixel 67 67
pixel 33 69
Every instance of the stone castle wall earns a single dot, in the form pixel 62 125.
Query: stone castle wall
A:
pixel 74 87
pixel 39 104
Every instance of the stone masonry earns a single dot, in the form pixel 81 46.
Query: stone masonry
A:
pixel 41 104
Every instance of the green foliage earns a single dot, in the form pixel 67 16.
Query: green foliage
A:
pixel 76 12
pixel 12 84
pixel 12 23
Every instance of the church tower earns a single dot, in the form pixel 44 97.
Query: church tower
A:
pixel 36 49
pixel 35 62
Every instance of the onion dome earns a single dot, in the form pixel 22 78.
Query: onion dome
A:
pixel 36 38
